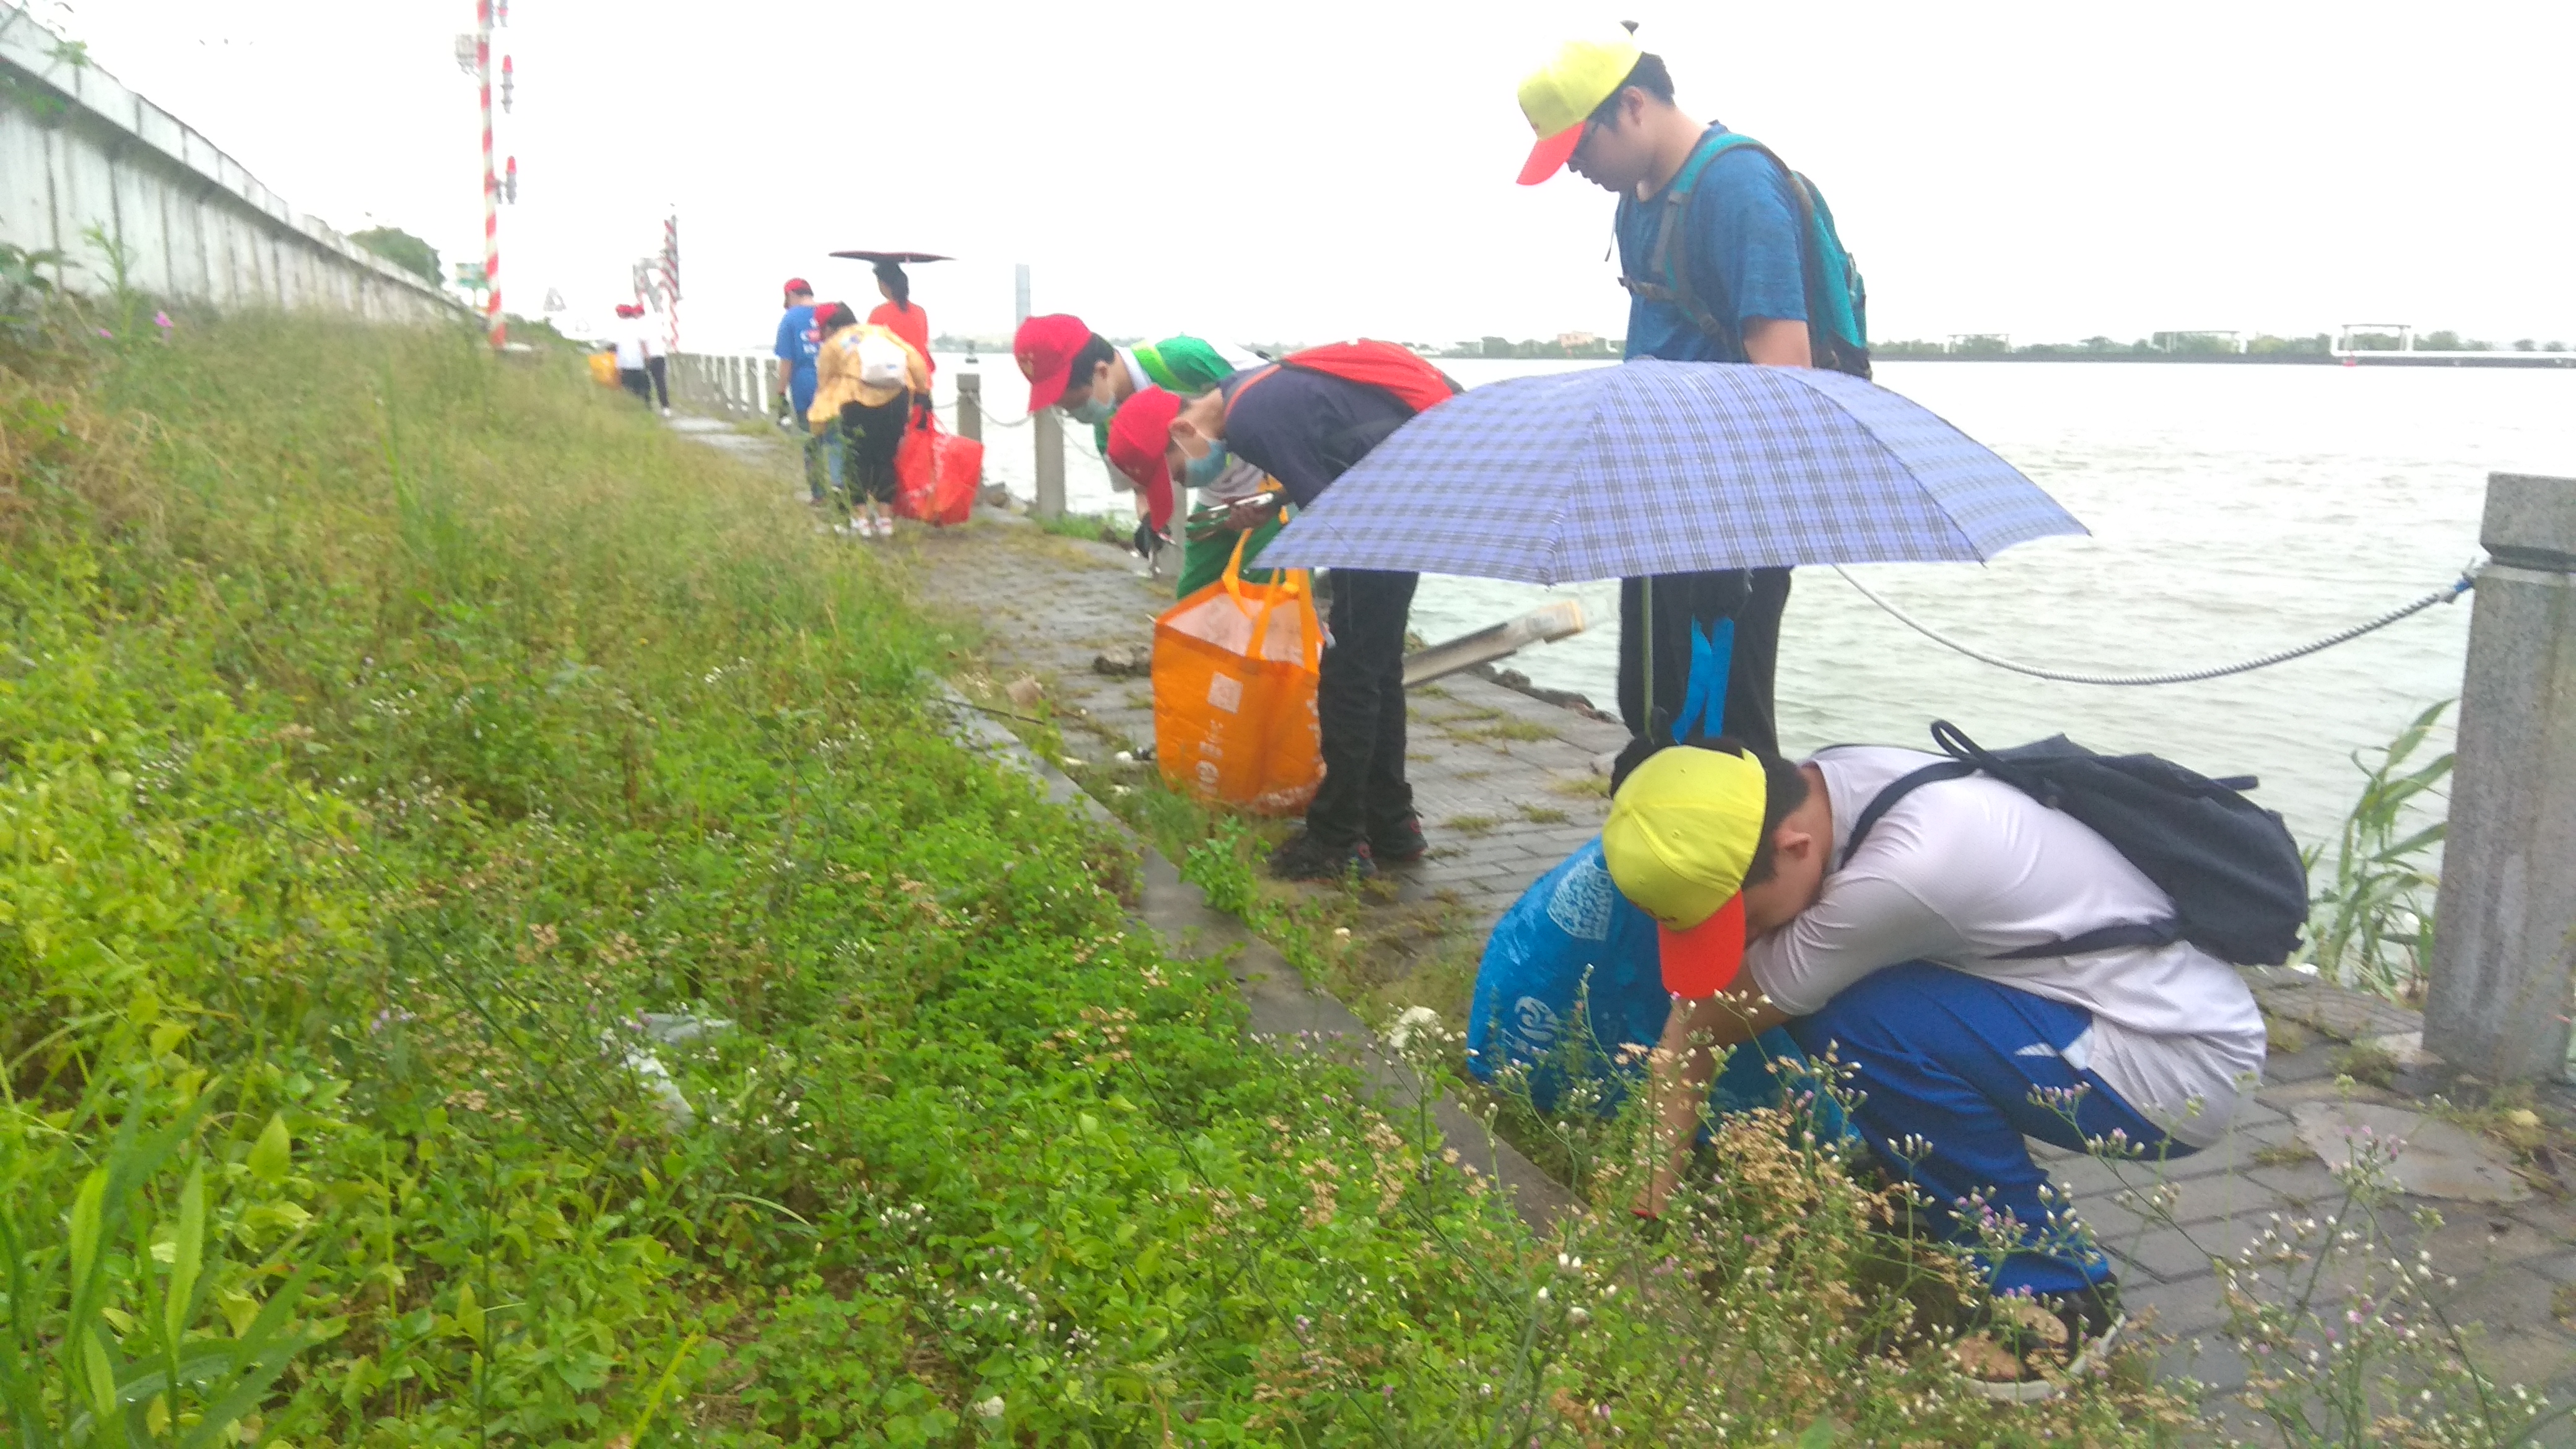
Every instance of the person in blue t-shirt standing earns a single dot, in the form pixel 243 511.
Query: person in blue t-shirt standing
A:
pixel 1604 110
pixel 799 343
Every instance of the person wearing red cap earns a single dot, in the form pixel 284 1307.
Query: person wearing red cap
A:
pixel 799 343
pixel 1138 438
pixel 1088 378
pixel 1305 427
pixel 1936 949
pixel 1714 250
pixel 871 386
pixel 634 352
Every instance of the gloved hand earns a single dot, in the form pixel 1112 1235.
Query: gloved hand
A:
pixel 1147 542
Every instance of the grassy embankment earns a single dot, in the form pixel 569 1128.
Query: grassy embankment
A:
pixel 384 731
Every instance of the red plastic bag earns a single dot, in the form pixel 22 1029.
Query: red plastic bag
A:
pixel 936 475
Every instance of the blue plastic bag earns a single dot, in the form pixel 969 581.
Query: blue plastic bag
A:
pixel 1572 953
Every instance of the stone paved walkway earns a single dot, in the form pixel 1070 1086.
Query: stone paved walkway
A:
pixel 1507 787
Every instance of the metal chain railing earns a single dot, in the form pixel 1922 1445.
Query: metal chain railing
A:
pixel 2447 593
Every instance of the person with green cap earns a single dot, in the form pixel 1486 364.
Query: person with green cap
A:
pixel 1728 256
pixel 1953 947
pixel 1088 377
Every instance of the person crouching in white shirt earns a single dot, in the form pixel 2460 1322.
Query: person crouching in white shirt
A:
pixel 1903 961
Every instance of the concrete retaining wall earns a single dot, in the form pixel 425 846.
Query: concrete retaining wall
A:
pixel 78 150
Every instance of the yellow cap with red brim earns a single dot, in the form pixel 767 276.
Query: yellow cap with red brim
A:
pixel 1681 833
pixel 1560 96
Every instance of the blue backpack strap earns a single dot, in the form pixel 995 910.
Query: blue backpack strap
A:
pixel 1704 702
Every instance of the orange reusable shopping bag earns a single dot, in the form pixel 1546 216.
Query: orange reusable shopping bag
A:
pixel 1234 692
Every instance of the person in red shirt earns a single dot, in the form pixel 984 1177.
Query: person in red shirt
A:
pixel 898 315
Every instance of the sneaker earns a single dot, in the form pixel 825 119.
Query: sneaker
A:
pixel 1402 845
pixel 2029 1347
pixel 1306 858
pixel 885 528
pixel 666 412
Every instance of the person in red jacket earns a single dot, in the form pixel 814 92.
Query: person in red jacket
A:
pixel 898 315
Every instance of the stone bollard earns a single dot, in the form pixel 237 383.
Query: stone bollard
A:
pixel 2504 949
pixel 1048 426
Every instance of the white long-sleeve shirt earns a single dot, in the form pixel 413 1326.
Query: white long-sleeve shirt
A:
pixel 1962 871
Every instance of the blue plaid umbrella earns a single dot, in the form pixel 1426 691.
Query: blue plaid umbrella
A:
pixel 1657 467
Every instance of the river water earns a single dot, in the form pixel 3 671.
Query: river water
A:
pixel 2234 511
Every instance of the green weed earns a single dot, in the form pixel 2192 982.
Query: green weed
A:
pixel 2371 924
pixel 1089 527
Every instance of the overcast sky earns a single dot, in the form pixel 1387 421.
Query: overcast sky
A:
pixel 1321 169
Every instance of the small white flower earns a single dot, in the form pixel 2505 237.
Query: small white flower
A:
pixel 1411 1020
pixel 989 1408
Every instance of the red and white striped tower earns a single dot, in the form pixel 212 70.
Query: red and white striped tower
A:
pixel 671 277
pixel 500 331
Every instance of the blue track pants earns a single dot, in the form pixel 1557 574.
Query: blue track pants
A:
pixel 1971 1067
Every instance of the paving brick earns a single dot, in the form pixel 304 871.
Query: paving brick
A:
pixel 2214 1364
pixel 2188 1200
pixel 2177 1254
pixel 2309 1185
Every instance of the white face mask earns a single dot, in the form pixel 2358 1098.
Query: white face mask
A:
pixel 1095 409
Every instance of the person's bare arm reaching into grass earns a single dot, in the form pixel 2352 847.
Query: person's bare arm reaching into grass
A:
pixel 1682 1067
pixel 1782 877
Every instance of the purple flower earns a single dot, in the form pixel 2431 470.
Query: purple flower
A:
pixel 103 332
pixel 162 321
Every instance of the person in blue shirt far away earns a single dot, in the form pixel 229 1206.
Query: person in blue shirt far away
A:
pixel 1604 110
pixel 798 345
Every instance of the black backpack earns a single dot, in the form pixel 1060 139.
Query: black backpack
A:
pixel 2239 887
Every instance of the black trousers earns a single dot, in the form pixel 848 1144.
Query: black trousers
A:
pixel 871 435
pixel 1359 709
pixel 1754 599
pixel 637 381
pixel 660 368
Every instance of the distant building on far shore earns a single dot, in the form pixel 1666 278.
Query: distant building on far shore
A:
pixel 1574 342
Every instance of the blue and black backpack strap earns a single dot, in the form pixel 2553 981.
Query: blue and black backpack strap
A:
pixel 1836 326
pixel 1667 276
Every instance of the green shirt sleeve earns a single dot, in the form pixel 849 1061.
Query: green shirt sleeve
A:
pixel 1184 365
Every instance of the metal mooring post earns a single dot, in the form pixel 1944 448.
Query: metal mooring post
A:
pixel 2504 948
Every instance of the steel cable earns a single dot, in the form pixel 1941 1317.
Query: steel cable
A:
pixel 2443 595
